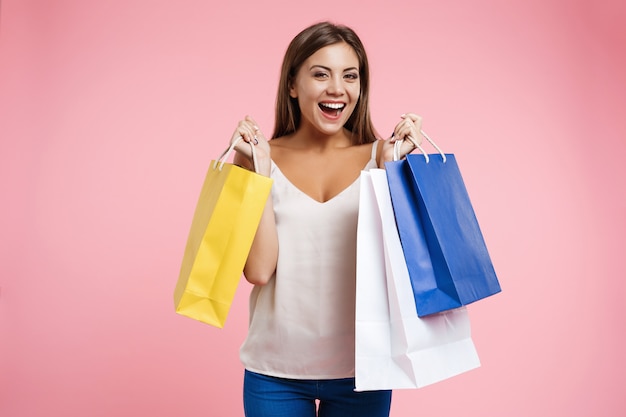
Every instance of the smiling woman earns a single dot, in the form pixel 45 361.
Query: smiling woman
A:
pixel 109 111
pixel 303 259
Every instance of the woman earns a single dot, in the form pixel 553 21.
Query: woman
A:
pixel 300 345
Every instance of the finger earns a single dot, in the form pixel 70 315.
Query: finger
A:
pixel 400 131
pixel 246 130
pixel 251 135
pixel 255 128
pixel 258 133
pixel 407 128
pixel 413 117
pixel 252 123
pixel 415 137
pixel 416 122
pixel 414 142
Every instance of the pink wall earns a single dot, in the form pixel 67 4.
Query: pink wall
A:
pixel 111 110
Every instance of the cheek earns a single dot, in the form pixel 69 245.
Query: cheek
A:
pixel 355 91
pixel 309 96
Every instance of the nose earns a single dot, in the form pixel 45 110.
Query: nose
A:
pixel 335 85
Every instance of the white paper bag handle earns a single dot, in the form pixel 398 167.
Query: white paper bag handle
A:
pixel 228 151
pixel 397 144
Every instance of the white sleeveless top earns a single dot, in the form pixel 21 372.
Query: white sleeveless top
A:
pixel 302 321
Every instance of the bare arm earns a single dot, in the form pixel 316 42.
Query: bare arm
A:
pixel 263 256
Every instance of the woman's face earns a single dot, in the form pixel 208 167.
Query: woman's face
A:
pixel 327 87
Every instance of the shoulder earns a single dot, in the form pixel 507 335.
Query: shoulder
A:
pixel 278 142
pixel 279 148
pixel 376 148
pixel 366 148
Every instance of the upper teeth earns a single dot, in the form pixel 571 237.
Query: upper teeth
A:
pixel 335 106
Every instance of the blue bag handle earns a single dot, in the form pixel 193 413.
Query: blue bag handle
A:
pixel 398 143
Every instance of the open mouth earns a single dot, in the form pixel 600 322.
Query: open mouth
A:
pixel 332 109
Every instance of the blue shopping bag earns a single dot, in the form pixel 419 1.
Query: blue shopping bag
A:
pixel 449 265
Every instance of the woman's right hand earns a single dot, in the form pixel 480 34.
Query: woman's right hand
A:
pixel 249 131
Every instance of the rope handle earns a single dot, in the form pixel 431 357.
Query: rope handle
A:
pixel 398 143
pixel 230 149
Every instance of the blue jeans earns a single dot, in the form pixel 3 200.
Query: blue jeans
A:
pixel 268 396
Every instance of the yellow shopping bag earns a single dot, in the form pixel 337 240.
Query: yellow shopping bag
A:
pixel 224 224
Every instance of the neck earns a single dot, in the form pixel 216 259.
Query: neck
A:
pixel 316 140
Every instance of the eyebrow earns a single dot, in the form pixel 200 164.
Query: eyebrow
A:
pixel 330 70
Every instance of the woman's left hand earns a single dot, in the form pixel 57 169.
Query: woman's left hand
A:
pixel 409 131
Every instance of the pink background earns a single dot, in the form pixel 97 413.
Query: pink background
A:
pixel 110 112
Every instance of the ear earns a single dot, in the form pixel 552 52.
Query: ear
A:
pixel 292 90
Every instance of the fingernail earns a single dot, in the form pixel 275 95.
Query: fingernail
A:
pixel 393 134
pixel 256 141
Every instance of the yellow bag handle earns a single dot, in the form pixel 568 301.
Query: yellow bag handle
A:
pixel 229 150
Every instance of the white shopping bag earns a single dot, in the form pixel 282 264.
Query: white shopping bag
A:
pixel 374 365
pixel 394 347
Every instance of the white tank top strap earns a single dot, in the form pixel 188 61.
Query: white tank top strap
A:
pixel 374 148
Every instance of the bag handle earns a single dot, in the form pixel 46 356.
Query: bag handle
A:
pixel 230 149
pixel 397 144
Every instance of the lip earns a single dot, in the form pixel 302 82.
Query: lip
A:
pixel 331 116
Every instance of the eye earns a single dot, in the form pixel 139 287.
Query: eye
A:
pixel 352 76
pixel 320 74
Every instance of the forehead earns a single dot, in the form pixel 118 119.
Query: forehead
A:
pixel 338 55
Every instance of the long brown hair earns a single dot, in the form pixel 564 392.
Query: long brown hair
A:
pixel 305 44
